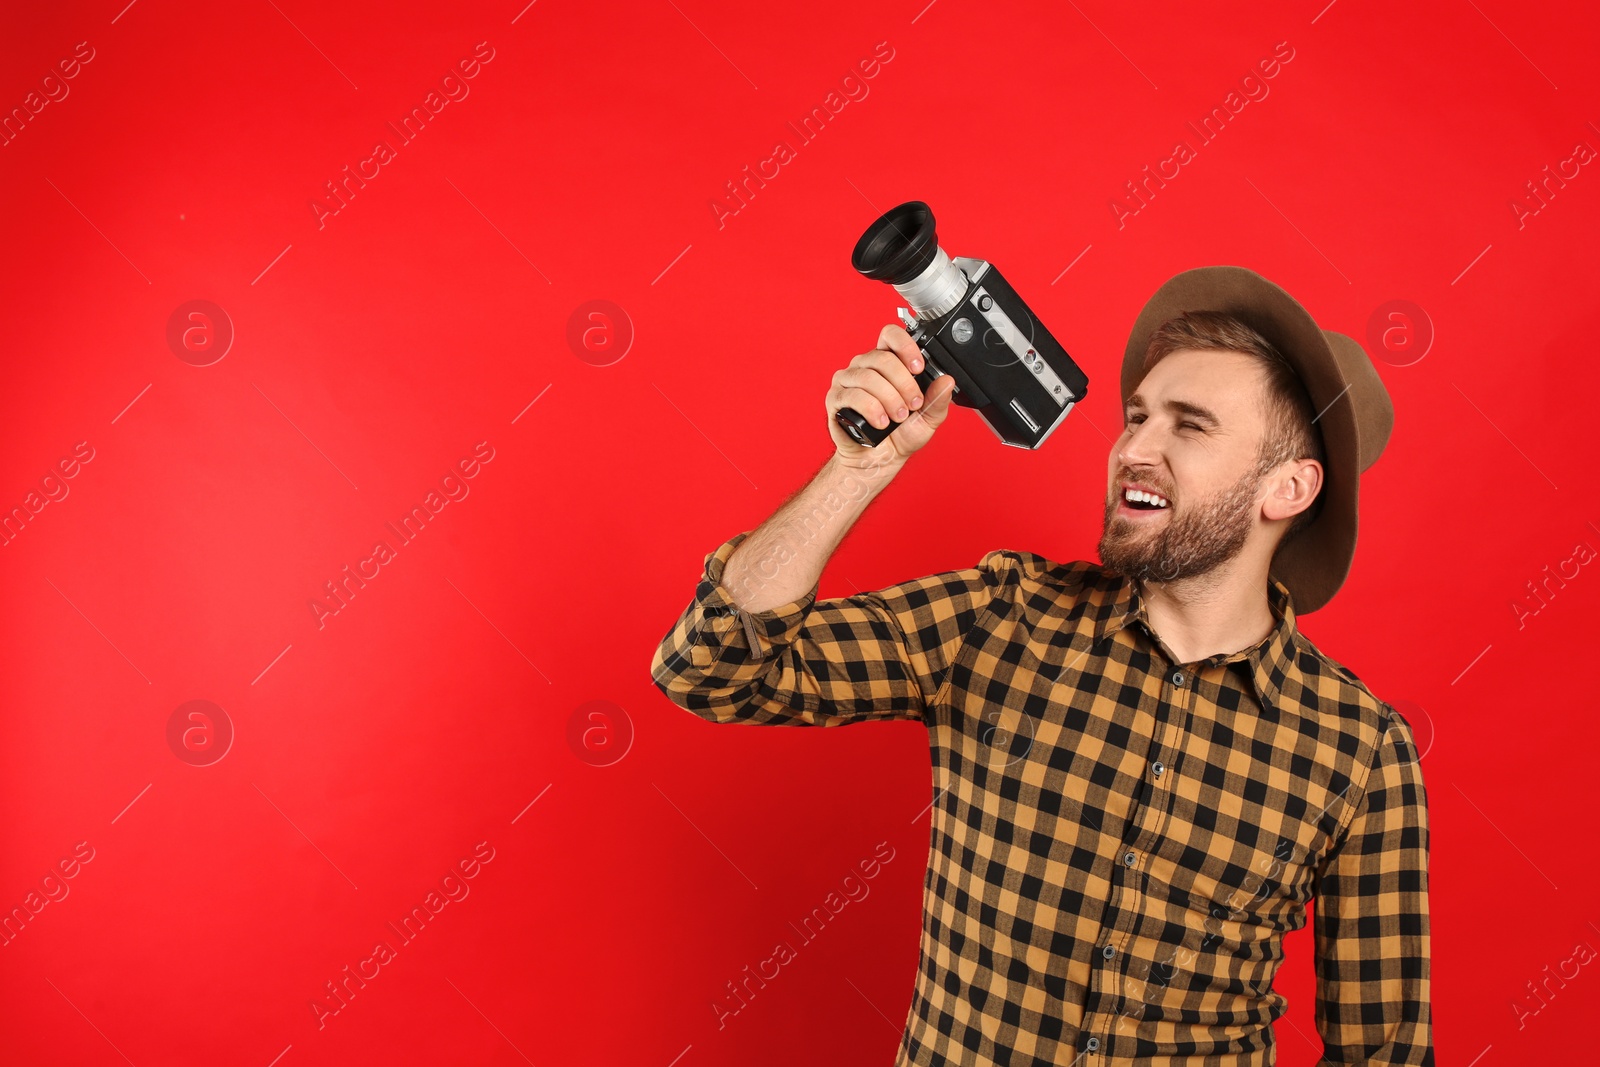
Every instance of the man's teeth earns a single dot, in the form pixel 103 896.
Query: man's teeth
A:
pixel 1144 497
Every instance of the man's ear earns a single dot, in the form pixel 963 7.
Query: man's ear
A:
pixel 1294 488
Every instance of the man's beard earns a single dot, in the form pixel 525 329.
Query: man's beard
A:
pixel 1194 540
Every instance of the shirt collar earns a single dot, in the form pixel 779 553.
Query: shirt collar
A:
pixel 1268 663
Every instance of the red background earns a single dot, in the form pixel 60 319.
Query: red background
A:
pixel 374 752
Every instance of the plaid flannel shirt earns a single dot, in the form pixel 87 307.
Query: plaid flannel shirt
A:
pixel 1119 841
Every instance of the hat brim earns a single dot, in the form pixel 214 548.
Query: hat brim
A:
pixel 1316 562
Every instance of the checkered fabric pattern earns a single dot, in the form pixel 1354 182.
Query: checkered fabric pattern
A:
pixel 1119 841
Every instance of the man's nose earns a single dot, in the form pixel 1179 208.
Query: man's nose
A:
pixel 1138 447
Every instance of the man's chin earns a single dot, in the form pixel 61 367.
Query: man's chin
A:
pixel 1122 533
pixel 1115 555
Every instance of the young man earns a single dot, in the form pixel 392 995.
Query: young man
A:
pixel 1144 773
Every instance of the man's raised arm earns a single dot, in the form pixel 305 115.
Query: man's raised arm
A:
pixel 756 646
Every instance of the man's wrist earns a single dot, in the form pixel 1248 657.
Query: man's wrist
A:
pixel 869 466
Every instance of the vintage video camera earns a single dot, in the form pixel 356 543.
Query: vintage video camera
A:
pixel 969 324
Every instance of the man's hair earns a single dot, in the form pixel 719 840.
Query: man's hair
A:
pixel 1290 431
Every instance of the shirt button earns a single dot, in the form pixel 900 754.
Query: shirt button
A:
pixel 1108 952
pixel 1092 1044
pixel 1158 767
pixel 1130 858
pixel 1177 678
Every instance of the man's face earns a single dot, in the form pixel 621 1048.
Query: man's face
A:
pixel 1192 436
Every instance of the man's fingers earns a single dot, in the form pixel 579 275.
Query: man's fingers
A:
pixel 872 381
pixel 894 339
pixel 891 367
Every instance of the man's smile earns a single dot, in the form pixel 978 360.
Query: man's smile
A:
pixel 1139 512
pixel 1138 501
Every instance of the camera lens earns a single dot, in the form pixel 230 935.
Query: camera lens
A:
pixel 902 248
pixel 899 246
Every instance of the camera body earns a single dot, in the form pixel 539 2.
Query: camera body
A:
pixel 970 324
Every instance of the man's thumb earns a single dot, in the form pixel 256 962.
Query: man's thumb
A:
pixel 937 400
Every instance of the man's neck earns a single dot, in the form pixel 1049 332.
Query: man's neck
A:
pixel 1216 613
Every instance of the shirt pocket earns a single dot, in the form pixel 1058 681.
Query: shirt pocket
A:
pixel 1237 863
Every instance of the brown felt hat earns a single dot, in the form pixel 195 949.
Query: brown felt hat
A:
pixel 1354 416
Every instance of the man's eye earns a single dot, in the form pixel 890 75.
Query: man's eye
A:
pixel 1134 420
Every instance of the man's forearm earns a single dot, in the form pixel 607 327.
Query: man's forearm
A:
pixel 783 558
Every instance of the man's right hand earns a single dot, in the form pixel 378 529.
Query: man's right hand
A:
pixel 881 387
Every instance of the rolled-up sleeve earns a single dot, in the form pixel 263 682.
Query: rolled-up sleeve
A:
pixel 1370 913
pixel 810 662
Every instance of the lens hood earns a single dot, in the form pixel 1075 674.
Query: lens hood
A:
pixel 899 245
